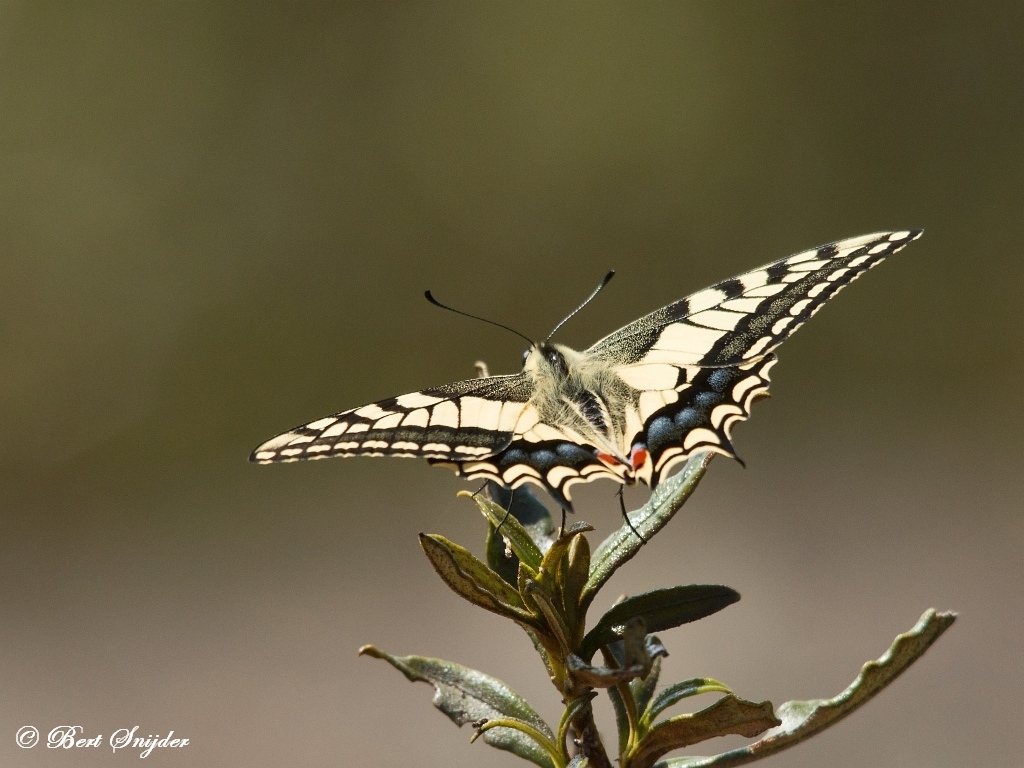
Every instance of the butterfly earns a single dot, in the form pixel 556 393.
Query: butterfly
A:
pixel 629 408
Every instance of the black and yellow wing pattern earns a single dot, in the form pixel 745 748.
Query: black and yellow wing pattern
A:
pixel 648 396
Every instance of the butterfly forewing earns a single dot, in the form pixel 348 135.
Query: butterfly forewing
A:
pixel 749 315
pixel 455 421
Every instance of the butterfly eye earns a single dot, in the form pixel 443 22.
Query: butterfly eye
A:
pixel 556 361
pixel 526 354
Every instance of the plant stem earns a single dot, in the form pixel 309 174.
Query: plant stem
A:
pixel 588 740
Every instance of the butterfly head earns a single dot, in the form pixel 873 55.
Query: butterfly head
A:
pixel 547 360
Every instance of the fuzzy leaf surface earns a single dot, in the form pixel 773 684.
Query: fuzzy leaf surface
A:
pixel 473 580
pixel 467 696
pixel 803 719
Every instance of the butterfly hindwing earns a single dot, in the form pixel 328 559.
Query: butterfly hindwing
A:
pixel 699 415
pixel 463 419
pixel 554 463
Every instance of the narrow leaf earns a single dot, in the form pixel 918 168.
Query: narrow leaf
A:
pixel 643 688
pixel 538 645
pixel 473 580
pixel 577 573
pixel 621 717
pixel 803 719
pixel 519 540
pixel 727 716
pixel 468 696
pixel 574 708
pixel 553 577
pixel 660 609
pixel 527 509
pixel 535 519
pixel 557 550
pixel 679 691
pixel 665 501
pixel 555 622
pixel 501 559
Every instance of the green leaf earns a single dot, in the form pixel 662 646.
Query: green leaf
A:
pixel 553 577
pixel 540 601
pixel 803 719
pixel 621 546
pixel 473 580
pixel 538 645
pixel 579 762
pixel 574 708
pixel 468 696
pixel 552 558
pixel 527 509
pixel 519 541
pixel 500 558
pixel 643 688
pixel 535 519
pixel 621 717
pixel 727 716
pixel 679 691
pixel 660 609
pixel 578 570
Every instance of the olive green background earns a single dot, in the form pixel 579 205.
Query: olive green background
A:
pixel 217 221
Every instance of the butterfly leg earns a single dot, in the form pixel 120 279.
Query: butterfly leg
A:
pixel 507 511
pixel 622 506
pixel 561 530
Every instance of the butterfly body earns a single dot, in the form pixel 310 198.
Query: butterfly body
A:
pixel 629 408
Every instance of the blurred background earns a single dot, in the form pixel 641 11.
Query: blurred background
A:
pixel 217 221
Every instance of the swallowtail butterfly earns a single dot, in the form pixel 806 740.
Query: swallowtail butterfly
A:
pixel 629 408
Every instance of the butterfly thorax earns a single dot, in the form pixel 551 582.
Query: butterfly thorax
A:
pixel 580 393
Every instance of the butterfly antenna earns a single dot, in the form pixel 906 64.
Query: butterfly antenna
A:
pixel 596 291
pixel 437 303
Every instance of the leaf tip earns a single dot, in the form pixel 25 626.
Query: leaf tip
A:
pixel 371 650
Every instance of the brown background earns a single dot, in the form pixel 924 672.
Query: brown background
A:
pixel 217 220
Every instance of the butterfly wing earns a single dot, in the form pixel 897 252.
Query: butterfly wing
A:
pixel 749 315
pixel 699 363
pixel 540 453
pixel 465 419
